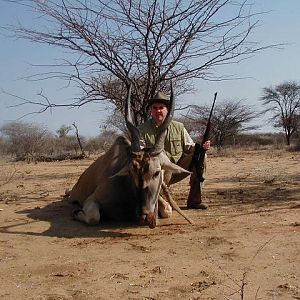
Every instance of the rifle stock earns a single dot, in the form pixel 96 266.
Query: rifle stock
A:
pixel 198 162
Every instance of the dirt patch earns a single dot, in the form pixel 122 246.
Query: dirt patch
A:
pixel 245 246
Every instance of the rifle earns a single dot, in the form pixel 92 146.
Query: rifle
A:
pixel 197 163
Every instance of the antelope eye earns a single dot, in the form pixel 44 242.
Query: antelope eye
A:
pixel 156 174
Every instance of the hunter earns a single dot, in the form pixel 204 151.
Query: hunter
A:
pixel 178 146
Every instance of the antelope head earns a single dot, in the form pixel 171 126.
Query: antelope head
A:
pixel 146 165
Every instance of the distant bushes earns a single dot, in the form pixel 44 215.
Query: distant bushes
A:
pixel 30 142
pixel 253 140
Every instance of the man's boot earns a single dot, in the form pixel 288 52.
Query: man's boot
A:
pixel 192 205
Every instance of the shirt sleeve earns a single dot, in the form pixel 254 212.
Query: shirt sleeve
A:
pixel 188 142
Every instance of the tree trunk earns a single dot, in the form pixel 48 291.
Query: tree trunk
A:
pixel 79 142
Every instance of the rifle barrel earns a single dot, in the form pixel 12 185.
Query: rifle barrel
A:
pixel 213 105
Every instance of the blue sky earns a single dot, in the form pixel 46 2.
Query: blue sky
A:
pixel 280 25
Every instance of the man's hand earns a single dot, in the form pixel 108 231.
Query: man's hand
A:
pixel 206 145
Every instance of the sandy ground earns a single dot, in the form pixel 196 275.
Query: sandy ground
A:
pixel 245 246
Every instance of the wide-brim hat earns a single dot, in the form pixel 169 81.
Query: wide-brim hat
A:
pixel 160 97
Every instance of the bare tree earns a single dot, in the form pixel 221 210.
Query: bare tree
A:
pixel 230 118
pixel 283 101
pixel 26 141
pixel 146 43
pixel 68 147
pixel 3 146
pixel 117 121
pixel 82 155
pixel 297 118
pixel 102 142
pixel 66 144
pixel 63 131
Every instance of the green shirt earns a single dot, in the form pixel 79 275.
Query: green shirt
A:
pixel 177 141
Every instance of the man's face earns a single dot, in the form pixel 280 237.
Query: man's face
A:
pixel 159 112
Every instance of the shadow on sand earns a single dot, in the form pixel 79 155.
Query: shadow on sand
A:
pixel 59 216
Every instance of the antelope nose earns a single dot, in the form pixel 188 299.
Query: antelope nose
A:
pixel 148 220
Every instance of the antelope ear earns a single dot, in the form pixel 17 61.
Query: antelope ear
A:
pixel 170 167
pixel 123 172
